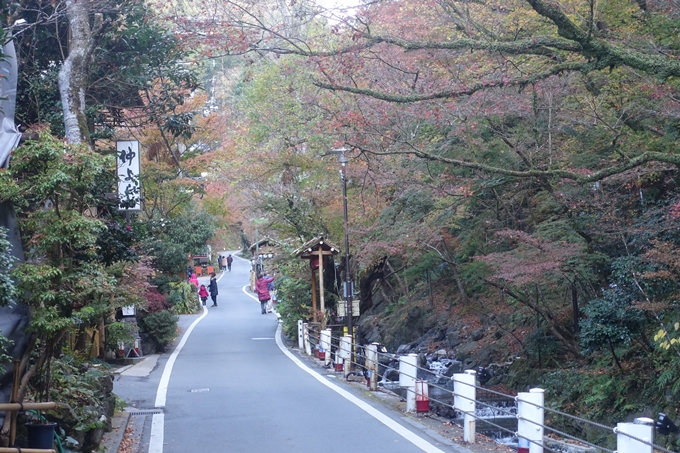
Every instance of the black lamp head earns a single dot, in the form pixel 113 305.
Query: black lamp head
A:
pixel 665 425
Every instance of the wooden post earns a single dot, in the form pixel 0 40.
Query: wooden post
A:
pixel 321 295
pixel 574 307
pixel 102 337
pixel 14 396
pixel 313 297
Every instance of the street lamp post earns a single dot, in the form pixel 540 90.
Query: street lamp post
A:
pixel 348 279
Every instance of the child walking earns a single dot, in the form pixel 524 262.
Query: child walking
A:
pixel 203 294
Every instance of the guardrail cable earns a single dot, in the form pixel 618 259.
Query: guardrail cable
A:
pixel 358 351
pixel 569 436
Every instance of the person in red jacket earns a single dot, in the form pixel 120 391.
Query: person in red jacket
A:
pixel 262 290
pixel 203 294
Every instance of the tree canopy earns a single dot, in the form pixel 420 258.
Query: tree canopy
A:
pixel 512 159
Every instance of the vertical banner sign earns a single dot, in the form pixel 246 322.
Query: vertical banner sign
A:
pixel 129 188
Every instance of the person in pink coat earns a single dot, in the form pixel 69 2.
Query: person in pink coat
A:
pixel 194 280
pixel 262 290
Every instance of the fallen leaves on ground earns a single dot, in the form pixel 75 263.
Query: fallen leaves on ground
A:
pixel 128 442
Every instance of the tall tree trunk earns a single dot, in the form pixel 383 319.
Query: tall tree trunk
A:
pixel 564 335
pixel 403 284
pixel 74 71
pixel 616 359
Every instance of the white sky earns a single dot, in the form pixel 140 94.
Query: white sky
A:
pixel 338 3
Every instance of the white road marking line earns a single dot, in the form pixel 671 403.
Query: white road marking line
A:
pixel 167 371
pixel 370 410
pixel 248 293
pixel 157 428
pixel 262 338
pixel 158 421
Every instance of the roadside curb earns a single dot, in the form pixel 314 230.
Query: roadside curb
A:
pixel 112 440
pixel 438 428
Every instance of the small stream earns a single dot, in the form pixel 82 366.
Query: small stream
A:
pixel 491 410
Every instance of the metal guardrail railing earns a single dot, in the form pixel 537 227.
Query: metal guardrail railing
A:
pixel 358 360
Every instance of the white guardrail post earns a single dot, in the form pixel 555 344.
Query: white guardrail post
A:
pixel 346 353
pixel 325 344
pixel 642 428
pixel 338 364
pixel 407 379
pixel 465 401
pixel 301 339
pixel 530 418
pixel 372 365
pixel 305 335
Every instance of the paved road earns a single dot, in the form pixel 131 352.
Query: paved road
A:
pixel 234 388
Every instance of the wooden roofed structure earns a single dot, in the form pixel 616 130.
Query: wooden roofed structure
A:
pixel 266 243
pixel 316 250
pixel 262 251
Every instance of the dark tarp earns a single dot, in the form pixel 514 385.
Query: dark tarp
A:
pixel 13 318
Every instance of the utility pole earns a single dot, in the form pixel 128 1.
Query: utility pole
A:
pixel 348 277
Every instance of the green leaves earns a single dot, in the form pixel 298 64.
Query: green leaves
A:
pixel 161 327
pixel 182 298
pixel 80 393
pixel 611 320
pixel 7 289
pixel 5 343
pixel 174 239
pixel 137 65
pixel 53 184
pixel 48 322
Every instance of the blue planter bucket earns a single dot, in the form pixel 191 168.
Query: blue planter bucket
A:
pixel 40 435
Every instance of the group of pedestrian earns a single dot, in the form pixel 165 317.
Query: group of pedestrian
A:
pixel 264 286
pixel 211 290
pixel 203 292
pixel 225 262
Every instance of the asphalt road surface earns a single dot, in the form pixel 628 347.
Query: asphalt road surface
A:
pixel 230 386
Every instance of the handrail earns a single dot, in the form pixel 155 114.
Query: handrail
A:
pixel 25 450
pixel 27 406
pixel 393 356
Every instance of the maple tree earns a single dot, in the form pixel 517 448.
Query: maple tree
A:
pixel 85 261
pixel 555 123
pixel 520 147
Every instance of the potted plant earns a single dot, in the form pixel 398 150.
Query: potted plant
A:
pixel 39 431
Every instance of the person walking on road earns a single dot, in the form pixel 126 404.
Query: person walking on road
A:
pixel 272 294
pixel 212 288
pixel 229 261
pixel 203 294
pixel 194 280
pixel 262 289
